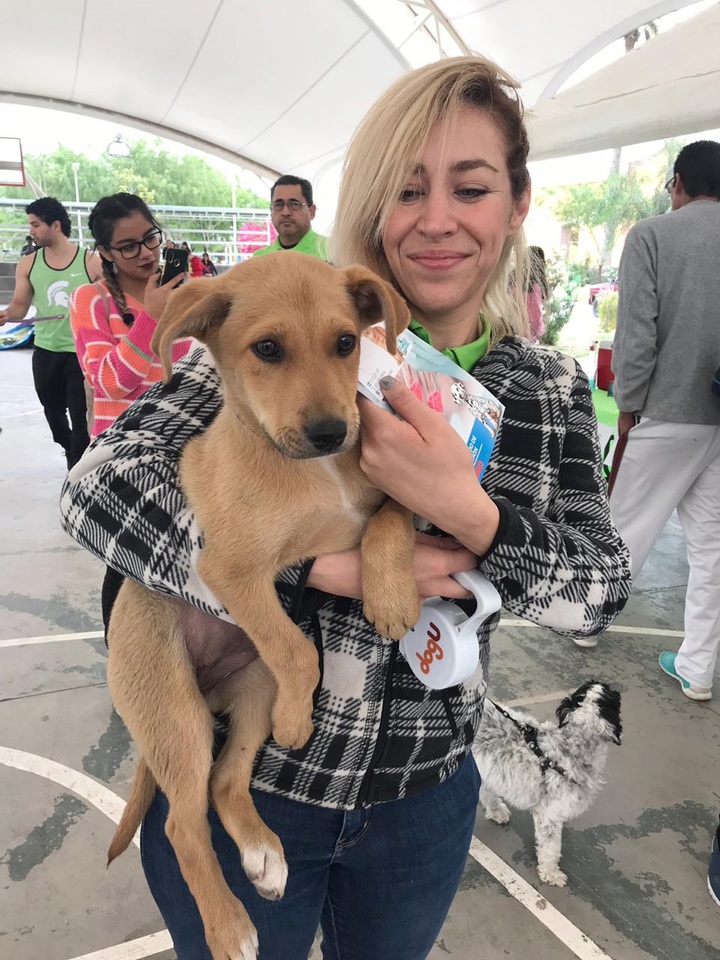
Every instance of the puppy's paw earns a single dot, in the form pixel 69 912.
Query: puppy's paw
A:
pixel 235 938
pixel 498 812
pixel 393 616
pixel 290 727
pixel 266 869
pixel 552 875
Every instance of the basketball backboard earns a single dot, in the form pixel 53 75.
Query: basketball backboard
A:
pixel 12 169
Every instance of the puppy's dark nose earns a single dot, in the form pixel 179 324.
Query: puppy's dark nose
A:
pixel 327 435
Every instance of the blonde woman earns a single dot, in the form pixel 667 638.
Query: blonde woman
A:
pixel 376 813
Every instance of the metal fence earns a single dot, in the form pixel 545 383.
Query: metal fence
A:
pixel 229 234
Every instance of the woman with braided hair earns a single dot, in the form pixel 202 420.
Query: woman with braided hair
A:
pixel 113 320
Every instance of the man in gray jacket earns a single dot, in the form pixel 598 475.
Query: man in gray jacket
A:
pixel 666 353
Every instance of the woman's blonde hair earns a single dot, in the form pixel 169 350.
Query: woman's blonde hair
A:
pixel 387 146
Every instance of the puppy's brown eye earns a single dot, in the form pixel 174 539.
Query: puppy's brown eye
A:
pixel 267 350
pixel 346 344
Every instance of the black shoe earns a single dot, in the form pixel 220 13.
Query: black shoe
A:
pixel 714 869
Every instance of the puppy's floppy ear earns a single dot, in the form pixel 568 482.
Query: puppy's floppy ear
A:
pixel 193 310
pixel 377 300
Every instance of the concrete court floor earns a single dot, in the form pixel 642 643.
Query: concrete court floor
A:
pixel 637 860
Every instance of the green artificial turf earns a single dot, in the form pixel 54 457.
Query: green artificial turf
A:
pixel 605 408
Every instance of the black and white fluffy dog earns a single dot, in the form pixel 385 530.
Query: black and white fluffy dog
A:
pixel 553 769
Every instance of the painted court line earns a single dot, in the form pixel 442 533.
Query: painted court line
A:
pixel 643 631
pixel 99 796
pixel 557 923
pixel 25 413
pixel 112 806
pixel 133 949
pixel 52 638
pixel 97 634
pixel 541 698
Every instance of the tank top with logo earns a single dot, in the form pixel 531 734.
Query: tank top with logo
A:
pixel 52 290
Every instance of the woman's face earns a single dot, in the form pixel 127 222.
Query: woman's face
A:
pixel 445 235
pixel 130 231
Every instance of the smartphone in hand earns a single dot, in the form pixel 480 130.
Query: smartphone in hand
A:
pixel 176 262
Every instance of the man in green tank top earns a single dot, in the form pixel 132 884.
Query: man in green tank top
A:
pixel 292 212
pixel 47 279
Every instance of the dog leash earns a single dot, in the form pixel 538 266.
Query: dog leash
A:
pixel 530 736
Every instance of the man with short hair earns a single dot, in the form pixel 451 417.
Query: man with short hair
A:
pixel 47 278
pixel 665 356
pixel 292 212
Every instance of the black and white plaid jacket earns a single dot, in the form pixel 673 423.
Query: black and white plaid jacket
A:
pixel 379 734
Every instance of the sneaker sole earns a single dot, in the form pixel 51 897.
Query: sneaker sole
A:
pixel 712 893
pixel 688 691
pixel 587 643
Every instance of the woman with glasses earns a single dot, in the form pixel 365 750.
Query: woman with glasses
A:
pixel 114 319
pixel 376 812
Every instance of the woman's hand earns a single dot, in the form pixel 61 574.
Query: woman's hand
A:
pixel 436 558
pixel 421 462
pixel 156 296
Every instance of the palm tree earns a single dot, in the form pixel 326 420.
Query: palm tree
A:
pixel 647 31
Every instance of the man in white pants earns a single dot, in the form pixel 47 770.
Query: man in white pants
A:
pixel 665 356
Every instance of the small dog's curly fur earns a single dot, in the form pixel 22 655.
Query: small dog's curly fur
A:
pixel 557 788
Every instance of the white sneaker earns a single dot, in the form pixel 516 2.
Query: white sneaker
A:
pixel 589 643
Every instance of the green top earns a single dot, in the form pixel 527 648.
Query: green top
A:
pixel 465 356
pixel 314 244
pixel 52 290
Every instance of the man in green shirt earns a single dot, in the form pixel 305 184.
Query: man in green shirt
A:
pixel 293 210
pixel 46 279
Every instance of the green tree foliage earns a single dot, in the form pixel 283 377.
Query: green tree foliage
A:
pixel 558 309
pixel 614 204
pixel 607 312
pixel 150 171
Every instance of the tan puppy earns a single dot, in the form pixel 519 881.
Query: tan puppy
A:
pixel 274 480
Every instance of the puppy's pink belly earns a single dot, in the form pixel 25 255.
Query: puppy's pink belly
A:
pixel 216 648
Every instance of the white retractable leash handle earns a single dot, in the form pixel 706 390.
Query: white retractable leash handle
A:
pixel 442 648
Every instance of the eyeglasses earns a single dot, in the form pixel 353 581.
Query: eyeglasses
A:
pixel 128 251
pixel 670 184
pixel 279 205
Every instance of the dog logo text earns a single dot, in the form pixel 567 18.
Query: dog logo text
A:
pixel 433 650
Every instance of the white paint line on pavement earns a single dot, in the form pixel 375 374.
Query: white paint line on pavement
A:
pixel 25 413
pixel 97 634
pixel 133 949
pixel 643 631
pixel 112 806
pixel 646 631
pixel 95 793
pixel 558 924
pixel 541 698
pixel 52 638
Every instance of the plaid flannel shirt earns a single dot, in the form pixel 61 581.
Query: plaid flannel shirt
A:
pixel 557 560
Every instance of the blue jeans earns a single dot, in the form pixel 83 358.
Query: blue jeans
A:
pixel 379 881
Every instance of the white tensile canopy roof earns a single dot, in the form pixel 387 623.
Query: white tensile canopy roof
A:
pixel 279 85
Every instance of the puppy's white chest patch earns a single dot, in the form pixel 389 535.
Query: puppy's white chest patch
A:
pixel 350 505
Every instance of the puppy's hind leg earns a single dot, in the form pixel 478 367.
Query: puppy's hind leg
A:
pixel 495 809
pixel 248 699
pixel 548 842
pixel 154 689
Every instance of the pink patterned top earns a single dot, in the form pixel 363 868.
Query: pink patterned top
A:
pixel 117 359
